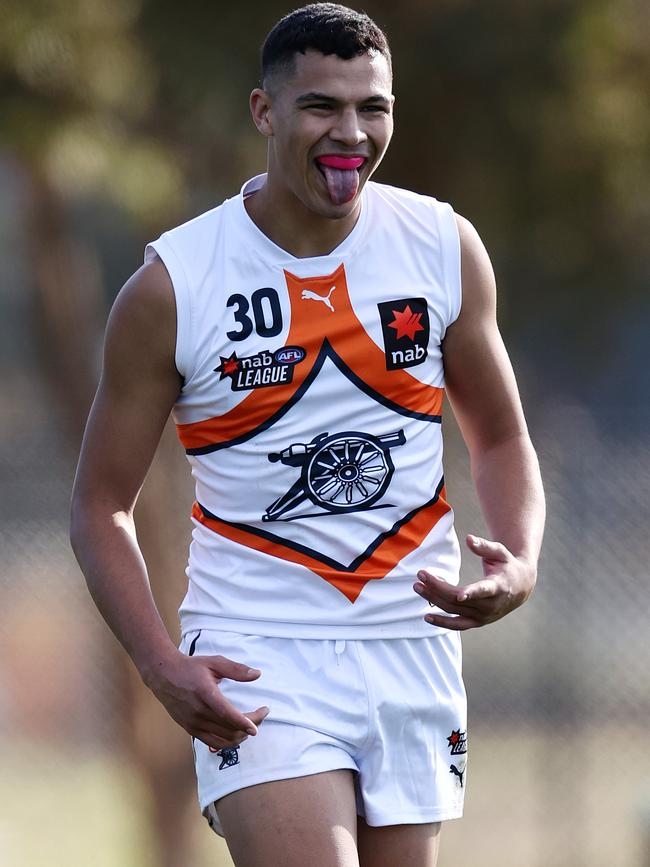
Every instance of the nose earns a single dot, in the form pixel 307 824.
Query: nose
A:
pixel 347 128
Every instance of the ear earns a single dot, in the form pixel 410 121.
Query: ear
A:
pixel 260 105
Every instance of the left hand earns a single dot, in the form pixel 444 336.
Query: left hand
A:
pixel 507 584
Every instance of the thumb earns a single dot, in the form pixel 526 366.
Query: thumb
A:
pixel 486 549
pixel 224 667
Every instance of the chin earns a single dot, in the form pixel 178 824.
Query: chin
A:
pixel 339 212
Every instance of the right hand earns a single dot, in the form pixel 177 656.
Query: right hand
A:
pixel 187 687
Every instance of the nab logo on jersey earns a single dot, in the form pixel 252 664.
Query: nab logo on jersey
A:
pixel 261 370
pixel 405 325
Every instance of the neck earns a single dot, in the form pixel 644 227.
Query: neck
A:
pixel 293 227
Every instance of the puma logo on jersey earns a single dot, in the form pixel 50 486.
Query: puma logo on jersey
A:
pixel 308 295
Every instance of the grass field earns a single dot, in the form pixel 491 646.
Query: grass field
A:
pixel 543 799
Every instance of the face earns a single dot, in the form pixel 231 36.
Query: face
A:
pixel 327 108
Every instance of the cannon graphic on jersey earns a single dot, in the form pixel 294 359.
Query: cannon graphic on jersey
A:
pixel 341 472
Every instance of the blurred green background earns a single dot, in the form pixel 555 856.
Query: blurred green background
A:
pixel 121 118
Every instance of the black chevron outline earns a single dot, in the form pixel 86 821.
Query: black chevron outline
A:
pixel 323 558
pixel 326 351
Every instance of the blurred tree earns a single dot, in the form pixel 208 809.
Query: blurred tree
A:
pixel 533 119
pixel 78 104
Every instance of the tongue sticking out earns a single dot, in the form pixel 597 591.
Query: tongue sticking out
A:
pixel 341 176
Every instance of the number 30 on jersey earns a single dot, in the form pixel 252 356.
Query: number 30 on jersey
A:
pixel 264 305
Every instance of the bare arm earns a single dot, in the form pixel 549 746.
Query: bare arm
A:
pixel 482 389
pixel 138 387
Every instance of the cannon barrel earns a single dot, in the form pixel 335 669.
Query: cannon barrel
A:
pixel 392 439
pixel 293 456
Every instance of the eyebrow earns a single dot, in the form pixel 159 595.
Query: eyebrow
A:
pixel 315 96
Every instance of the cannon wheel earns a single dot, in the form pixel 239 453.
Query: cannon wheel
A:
pixel 347 472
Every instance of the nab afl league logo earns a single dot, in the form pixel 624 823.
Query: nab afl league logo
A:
pixel 405 324
pixel 261 370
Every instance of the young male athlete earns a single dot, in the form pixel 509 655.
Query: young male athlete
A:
pixel 302 333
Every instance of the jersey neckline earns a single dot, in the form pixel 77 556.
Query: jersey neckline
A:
pixel 268 247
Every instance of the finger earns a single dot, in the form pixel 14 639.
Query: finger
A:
pixel 459 624
pixel 224 733
pixel 224 725
pixel 486 549
pixel 215 742
pixel 432 586
pixel 455 602
pixel 484 589
pixel 258 716
pixel 438 592
pixel 453 607
pixel 224 667
pixel 226 715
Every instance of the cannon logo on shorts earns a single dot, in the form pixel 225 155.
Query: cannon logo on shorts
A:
pixel 343 472
pixel 405 325
pixel 262 370
pixel 229 756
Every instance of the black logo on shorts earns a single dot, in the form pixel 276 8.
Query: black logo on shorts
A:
pixel 458 773
pixel 405 325
pixel 457 741
pixel 229 756
pixel 261 370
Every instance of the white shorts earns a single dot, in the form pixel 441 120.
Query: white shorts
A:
pixel 393 710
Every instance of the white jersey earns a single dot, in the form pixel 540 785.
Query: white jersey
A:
pixel 311 417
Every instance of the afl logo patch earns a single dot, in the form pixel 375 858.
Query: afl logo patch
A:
pixel 289 354
pixel 405 326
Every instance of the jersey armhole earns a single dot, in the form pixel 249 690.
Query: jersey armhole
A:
pixel 182 295
pixel 450 249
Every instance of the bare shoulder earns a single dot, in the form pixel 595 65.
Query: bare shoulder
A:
pixel 138 387
pixel 147 297
pixel 478 374
pixel 477 273
pixel 142 321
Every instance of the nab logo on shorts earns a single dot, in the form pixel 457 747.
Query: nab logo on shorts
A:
pixel 405 325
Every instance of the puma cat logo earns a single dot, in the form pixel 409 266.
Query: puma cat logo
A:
pixel 307 294
pixel 460 774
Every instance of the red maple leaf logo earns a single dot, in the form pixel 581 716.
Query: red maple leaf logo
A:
pixel 406 323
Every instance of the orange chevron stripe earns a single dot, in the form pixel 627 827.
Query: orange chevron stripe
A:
pixel 311 322
pixel 382 561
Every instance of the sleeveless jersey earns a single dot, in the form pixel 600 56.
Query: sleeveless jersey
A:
pixel 311 417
